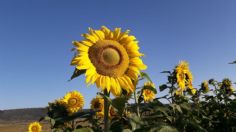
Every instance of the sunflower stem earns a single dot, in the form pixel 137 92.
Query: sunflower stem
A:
pixel 106 110
pixel 136 102
pixel 136 98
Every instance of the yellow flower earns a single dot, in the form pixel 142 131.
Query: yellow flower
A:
pixel 98 104
pixel 193 91
pixel 73 101
pixel 148 94
pixel 111 59
pixel 227 86
pixel 184 76
pixel 178 92
pixel 205 87
pixel 34 127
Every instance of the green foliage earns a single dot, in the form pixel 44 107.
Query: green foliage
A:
pixel 146 76
pixel 206 111
pixel 119 104
pixel 61 120
pixel 77 73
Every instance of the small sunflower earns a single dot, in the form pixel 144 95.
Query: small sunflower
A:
pixel 35 127
pixel 73 101
pixel 111 59
pixel 226 84
pixel 205 87
pixel 148 94
pixel 184 77
pixel 98 104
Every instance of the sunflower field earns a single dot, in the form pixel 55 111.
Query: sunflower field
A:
pixel 127 101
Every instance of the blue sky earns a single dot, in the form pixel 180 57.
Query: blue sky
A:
pixel 36 36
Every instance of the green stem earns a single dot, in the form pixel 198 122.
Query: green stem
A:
pixel 73 124
pixel 137 104
pixel 106 110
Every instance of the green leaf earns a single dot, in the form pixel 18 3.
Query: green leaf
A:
pixel 53 122
pixel 163 128
pixel 135 122
pixel 119 104
pixel 126 130
pixel 47 118
pixel 145 75
pixel 79 114
pixel 163 110
pixel 83 130
pixel 116 126
pixel 179 109
pixel 176 107
pixel 185 106
pixel 234 62
pixel 163 87
pixel 166 72
pixel 170 118
pixel 77 73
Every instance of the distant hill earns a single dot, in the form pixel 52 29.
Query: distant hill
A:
pixel 27 114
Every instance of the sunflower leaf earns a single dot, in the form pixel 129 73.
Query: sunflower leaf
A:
pixel 77 73
pixel 119 104
pixel 79 114
pixel 163 87
pixel 145 75
pixel 166 72
pixel 83 130
pixel 234 62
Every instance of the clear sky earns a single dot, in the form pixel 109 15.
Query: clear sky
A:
pixel 36 36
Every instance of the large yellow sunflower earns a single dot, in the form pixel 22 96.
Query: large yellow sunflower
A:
pixel 73 101
pixel 35 127
pixel 184 77
pixel 98 104
pixel 148 94
pixel 111 59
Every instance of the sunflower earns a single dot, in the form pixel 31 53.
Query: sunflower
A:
pixel 73 101
pixel 34 127
pixel 205 87
pixel 184 77
pixel 98 104
pixel 148 94
pixel 111 59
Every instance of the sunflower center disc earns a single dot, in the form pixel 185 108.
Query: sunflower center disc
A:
pixel 34 128
pixel 97 105
pixel 110 56
pixel 148 91
pixel 72 101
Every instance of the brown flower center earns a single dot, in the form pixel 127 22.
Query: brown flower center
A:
pixel 34 129
pixel 72 101
pixel 109 58
pixel 97 105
